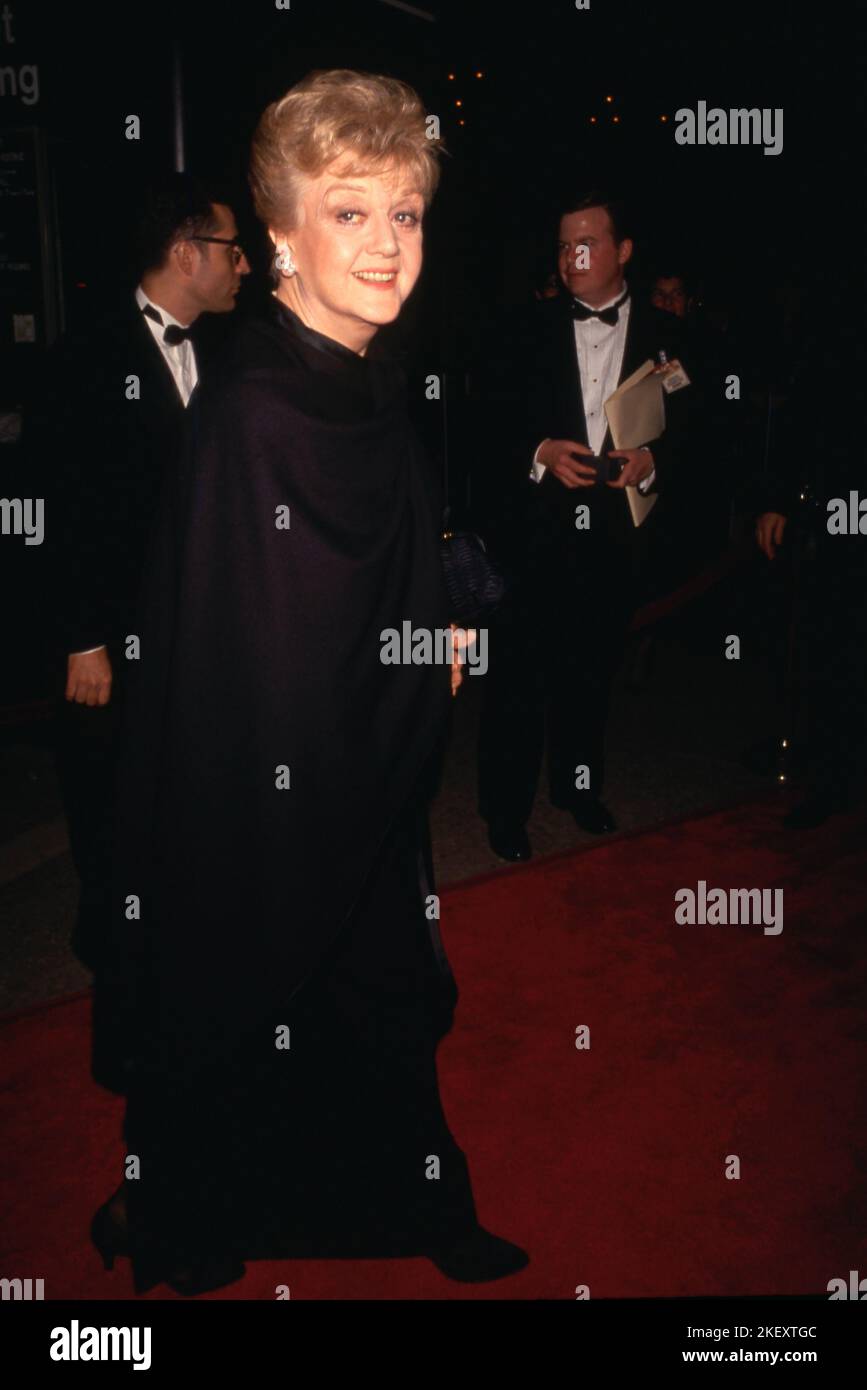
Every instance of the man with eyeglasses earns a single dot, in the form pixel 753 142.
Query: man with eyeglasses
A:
pixel 200 273
pixel 109 430
pixel 196 268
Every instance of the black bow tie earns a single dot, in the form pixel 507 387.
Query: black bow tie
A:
pixel 610 315
pixel 174 334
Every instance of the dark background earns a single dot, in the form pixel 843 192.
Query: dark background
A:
pixel 732 212
pixel 756 232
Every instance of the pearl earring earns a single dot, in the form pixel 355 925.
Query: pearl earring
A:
pixel 284 263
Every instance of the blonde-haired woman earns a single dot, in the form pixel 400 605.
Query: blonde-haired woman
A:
pixel 287 990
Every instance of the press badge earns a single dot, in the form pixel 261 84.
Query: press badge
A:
pixel 674 376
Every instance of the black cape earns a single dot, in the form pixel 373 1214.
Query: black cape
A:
pixel 260 662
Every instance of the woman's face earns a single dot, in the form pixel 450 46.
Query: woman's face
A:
pixel 358 250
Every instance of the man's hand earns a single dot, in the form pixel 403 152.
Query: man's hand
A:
pixel 556 455
pixel 88 677
pixel 769 532
pixel 638 466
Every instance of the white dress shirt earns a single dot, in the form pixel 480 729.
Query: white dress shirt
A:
pixel 599 351
pixel 180 360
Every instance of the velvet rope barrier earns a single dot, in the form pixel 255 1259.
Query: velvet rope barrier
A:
pixel 660 608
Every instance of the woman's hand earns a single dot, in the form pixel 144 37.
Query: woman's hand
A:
pixel 462 637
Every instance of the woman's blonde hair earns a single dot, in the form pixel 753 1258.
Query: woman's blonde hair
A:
pixel 378 123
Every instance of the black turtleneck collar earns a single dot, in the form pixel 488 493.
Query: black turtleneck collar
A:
pixel 335 383
pixel 315 339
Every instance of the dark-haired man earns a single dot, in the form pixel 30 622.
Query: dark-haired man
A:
pixel 669 293
pixel 108 427
pixel 574 575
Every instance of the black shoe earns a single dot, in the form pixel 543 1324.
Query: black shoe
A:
pixel 479 1257
pixel 108 1231
pixel 510 842
pixel 201 1275
pixel 593 816
pixel 813 811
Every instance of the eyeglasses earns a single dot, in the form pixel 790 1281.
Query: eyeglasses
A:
pixel 237 248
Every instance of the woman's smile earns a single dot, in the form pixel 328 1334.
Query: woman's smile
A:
pixel 379 279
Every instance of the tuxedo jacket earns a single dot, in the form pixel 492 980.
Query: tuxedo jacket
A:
pixel 815 431
pixel 535 522
pixel 103 458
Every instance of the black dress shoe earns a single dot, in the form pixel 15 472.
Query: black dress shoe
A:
pixel 510 842
pixel 813 811
pixel 592 816
pixel 479 1257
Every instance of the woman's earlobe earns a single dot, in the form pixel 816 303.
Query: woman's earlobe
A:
pixel 284 262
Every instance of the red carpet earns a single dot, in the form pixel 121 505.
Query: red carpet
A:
pixel 607 1164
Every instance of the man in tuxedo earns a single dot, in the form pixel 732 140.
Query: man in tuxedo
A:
pixel 574 573
pixel 808 503
pixel 109 428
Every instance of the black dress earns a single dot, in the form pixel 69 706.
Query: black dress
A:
pixel 283 989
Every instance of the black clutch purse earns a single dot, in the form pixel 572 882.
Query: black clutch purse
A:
pixel 474 584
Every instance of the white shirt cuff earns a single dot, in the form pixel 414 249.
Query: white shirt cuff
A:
pixel 537 469
pixel 646 482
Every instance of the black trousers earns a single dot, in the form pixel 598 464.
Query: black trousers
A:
pixel 554 650
pixel 87 751
pixel 836 638
pixel 86 756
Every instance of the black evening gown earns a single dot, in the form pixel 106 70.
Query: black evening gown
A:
pixel 283 990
